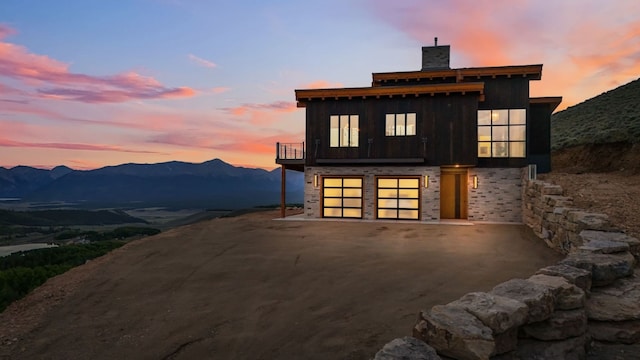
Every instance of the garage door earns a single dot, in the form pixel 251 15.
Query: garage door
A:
pixel 342 197
pixel 398 198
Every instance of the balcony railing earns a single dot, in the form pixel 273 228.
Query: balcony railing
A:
pixel 290 151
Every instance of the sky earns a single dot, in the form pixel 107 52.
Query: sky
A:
pixel 92 83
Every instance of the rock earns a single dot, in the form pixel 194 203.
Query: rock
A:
pixel 592 236
pixel 567 296
pixel 617 302
pixel 537 297
pixel 497 312
pixel 561 325
pixel 605 268
pixel 578 277
pixel 625 332
pixel 589 221
pixel 454 332
pixel 406 348
pixel 569 349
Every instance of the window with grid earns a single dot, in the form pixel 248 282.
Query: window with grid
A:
pixel 342 197
pixel 398 198
pixel 343 130
pixel 502 133
pixel 400 124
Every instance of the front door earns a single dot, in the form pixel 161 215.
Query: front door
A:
pixel 453 193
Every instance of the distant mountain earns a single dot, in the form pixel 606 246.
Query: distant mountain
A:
pixel 20 181
pixel 611 117
pixel 212 184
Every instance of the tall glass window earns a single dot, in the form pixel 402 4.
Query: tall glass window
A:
pixel 400 124
pixel 343 131
pixel 502 133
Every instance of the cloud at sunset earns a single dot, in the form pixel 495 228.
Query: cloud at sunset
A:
pixel 582 54
pixel 51 79
pixel 71 146
pixel 202 62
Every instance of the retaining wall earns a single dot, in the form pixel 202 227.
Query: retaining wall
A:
pixel 593 294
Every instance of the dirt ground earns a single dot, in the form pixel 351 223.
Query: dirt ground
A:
pixel 616 194
pixel 251 287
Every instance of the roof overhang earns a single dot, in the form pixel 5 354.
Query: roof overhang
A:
pixel 552 101
pixel 531 72
pixel 302 96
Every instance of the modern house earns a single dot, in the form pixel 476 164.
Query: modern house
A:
pixel 438 143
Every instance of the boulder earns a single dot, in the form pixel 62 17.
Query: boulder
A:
pixel 589 221
pixel 625 332
pixel 592 238
pixel 406 348
pixel 617 302
pixel 578 277
pixel 567 296
pixel 605 268
pixel 497 312
pixel 454 332
pixel 561 325
pixel 538 298
pixel 568 349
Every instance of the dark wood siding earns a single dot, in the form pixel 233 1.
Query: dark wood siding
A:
pixel 539 137
pixel 446 123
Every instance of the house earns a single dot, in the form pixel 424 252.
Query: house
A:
pixel 438 143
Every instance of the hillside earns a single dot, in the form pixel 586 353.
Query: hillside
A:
pixel 601 134
pixel 212 184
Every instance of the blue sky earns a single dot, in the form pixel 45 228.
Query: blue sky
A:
pixel 95 83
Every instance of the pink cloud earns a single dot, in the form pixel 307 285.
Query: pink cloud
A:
pixel 220 89
pixel 322 84
pixel 202 62
pixel 53 80
pixel 262 114
pixel 71 146
pixel 587 47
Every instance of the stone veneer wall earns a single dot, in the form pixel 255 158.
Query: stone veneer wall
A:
pixel 498 196
pixel 593 294
pixel 430 200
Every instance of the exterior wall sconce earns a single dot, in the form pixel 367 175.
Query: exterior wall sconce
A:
pixel 426 181
pixel 475 181
pixel 315 180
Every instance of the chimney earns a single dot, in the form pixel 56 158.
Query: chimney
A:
pixel 435 57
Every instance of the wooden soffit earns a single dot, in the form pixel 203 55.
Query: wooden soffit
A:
pixel 532 72
pixel 302 96
pixel 552 101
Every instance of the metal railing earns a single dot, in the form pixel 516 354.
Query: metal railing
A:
pixel 290 151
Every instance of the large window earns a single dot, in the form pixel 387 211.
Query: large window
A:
pixel 344 131
pixel 400 124
pixel 342 197
pixel 398 198
pixel 502 133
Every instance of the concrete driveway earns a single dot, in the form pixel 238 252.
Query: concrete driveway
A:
pixel 253 288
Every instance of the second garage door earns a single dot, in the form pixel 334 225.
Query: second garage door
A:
pixel 398 198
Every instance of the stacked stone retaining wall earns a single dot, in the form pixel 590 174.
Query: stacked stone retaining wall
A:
pixel 591 295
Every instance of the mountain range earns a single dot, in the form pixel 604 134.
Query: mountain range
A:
pixel 211 184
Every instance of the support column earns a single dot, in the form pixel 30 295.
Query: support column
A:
pixel 283 192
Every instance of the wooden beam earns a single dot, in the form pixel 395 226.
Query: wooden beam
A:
pixel 283 192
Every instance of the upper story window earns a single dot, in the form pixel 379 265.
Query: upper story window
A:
pixel 344 131
pixel 502 133
pixel 400 124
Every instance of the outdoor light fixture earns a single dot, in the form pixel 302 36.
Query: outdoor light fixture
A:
pixel 475 181
pixel 426 181
pixel 315 180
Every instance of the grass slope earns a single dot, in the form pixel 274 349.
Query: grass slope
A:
pixel 611 117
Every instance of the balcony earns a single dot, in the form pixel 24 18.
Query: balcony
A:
pixel 291 155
